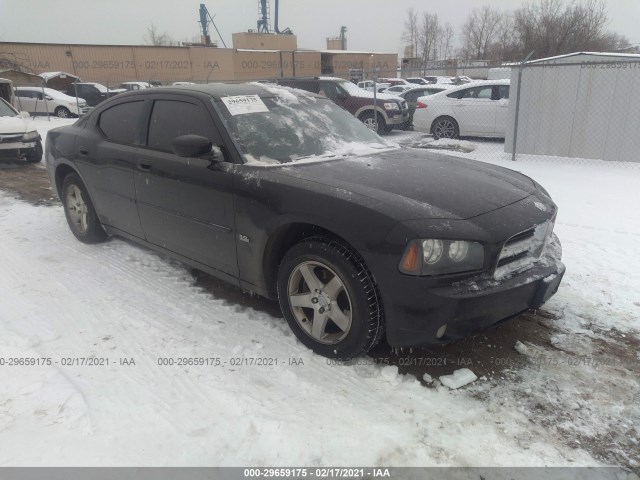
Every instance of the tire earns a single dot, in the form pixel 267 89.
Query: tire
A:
pixel 62 112
pixel 324 282
pixel 445 127
pixel 369 120
pixel 78 208
pixel 35 155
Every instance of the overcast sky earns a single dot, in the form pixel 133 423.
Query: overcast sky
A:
pixel 373 25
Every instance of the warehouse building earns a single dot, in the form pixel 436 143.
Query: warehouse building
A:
pixel 254 56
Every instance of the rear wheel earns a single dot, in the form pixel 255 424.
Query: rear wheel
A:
pixel 369 120
pixel 78 208
pixel 35 154
pixel 329 299
pixel 445 127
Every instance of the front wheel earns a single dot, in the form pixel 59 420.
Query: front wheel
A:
pixel 35 155
pixel 81 216
pixel 329 298
pixel 63 112
pixel 445 127
pixel 369 120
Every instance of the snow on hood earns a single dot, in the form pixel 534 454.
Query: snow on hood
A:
pixel 15 125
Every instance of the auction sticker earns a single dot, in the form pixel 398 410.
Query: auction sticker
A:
pixel 241 104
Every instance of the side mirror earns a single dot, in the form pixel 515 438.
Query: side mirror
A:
pixel 25 115
pixel 191 146
pixel 48 98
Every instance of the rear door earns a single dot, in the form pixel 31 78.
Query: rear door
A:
pixel 186 204
pixel 475 111
pixel 105 155
pixel 26 100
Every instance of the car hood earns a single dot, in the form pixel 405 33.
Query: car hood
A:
pixel 415 184
pixel 15 125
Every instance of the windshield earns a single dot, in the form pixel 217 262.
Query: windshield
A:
pixel 6 110
pixel 100 87
pixel 286 127
pixel 351 87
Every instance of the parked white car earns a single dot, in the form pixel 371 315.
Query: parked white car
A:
pixel 397 89
pixel 478 109
pixel 131 86
pixel 37 100
pixel 18 135
pixel 368 85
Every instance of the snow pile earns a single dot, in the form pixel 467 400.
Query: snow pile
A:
pixel 459 378
pixel 63 299
pixel 443 144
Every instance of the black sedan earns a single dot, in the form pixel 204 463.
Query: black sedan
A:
pixel 283 193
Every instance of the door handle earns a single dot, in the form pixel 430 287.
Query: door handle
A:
pixel 144 167
pixel 83 151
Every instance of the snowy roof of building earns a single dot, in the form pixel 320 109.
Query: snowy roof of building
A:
pixel 595 54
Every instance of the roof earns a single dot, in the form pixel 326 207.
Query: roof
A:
pixel 215 90
pixel 21 78
pixel 49 75
pixel 594 54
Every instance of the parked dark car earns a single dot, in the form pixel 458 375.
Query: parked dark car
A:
pixel 286 195
pixel 391 110
pixel 93 93
pixel 411 97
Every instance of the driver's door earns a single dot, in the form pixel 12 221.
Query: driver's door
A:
pixel 185 204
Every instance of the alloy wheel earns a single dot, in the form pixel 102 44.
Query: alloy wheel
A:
pixel 320 302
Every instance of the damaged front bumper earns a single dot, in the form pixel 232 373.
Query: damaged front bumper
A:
pixel 423 315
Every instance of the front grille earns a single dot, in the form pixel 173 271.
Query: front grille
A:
pixel 523 249
pixel 10 138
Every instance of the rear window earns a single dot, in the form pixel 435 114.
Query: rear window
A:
pixel 120 122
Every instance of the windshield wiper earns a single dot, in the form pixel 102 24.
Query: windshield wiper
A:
pixel 324 155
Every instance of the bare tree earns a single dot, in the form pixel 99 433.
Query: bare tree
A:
pixel 154 37
pixel 446 42
pixel 479 32
pixel 550 28
pixel 429 34
pixel 410 35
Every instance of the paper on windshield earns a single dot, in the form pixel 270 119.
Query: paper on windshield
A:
pixel 241 104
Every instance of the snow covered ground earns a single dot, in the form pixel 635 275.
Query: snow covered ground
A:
pixel 63 301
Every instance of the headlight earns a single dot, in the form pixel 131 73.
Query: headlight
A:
pixel 439 257
pixel 391 106
pixel 29 136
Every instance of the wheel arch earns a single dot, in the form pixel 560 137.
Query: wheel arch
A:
pixel 286 236
pixel 369 109
pixel 61 172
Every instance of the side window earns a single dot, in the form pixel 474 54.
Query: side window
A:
pixel 120 123
pixel 503 92
pixel 330 89
pixel 171 119
pixel 477 92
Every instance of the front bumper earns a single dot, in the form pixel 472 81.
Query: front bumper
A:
pixel 16 149
pixel 398 118
pixel 419 314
